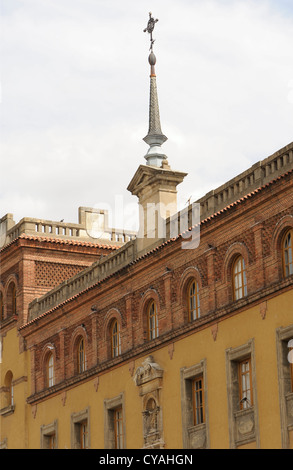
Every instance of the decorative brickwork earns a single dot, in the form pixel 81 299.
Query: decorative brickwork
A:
pixel 52 274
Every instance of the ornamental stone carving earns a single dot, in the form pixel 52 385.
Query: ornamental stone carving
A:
pixel 149 370
pixel 148 377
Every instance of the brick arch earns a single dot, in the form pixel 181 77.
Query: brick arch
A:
pixel 192 272
pixel 79 332
pixel 281 228
pixel 284 224
pixel 235 250
pixel 111 315
pixel 150 295
pixel 48 349
pixel 189 274
pixel 12 279
pixel 8 383
pixel 232 253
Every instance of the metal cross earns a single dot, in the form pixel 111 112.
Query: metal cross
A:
pixel 150 28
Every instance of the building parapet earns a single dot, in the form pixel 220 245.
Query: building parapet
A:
pixel 92 227
pixel 98 271
pixel 257 175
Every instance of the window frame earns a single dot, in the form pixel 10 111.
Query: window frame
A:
pixel 193 298
pixel 118 427
pixel 287 266
pixel 198 405
pixel 290 359
pixel 83 434
pixel 78 421
pixel 81 355
pixel 241 291
pixel 1 306
pixel 50 370
pixel 194 435
pixel 115 339
pixel 111 406
pixel 8 394
pixel 284 340
pixel 49 436
pixel 244 401
pixel 11 299
pixel 152 320
pixel 236 414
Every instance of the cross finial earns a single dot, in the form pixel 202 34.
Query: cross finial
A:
pixel 150 28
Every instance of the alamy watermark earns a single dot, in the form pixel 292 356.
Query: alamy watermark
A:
pixel 155 221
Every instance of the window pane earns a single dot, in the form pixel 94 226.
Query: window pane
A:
pixel 245 384
pixel 118 429
pixel 81 356
pixel 51 371
pixel 193 301
pixel 115 339
pixel 153 321
pixel 287 254
pixel 239 279
pixel 83 435
pixel 198 401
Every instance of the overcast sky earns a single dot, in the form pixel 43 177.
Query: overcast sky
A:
pixel 75 96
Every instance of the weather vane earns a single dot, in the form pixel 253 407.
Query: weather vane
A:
pixel 150 28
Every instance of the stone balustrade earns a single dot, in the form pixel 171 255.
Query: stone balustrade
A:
pixel 81 231
pixel 99 270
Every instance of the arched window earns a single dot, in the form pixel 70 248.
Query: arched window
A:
pixel 81 358
pixel 9 391
pixel 1 307
pixel 115 339
pixel 287 253
pixel 50 370
pixel 239 278
pixel 290 359
pixel 11 300
pixel 193 300
pixel 152 317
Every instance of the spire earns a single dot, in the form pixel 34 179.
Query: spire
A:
pixel 154 138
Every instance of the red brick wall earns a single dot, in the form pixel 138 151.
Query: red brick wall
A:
pixel 252 228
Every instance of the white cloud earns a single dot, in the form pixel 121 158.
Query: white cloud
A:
pixel 75 82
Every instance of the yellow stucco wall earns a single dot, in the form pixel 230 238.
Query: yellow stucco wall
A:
pixel 22 428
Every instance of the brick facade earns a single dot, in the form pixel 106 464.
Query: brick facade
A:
pixel 68 291
pixel 252 228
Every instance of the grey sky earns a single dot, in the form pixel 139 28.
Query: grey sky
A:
pixel 75 84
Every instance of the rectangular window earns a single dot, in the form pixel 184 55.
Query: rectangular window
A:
pixel 194 410
pixel 284 336
pixel 242 397
pixel 245 384
pixel 83 438
pixel 118 428
pixel 114 423
pixel 49 436
pixel 80 437
pixel 52 439
pixel 198 401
